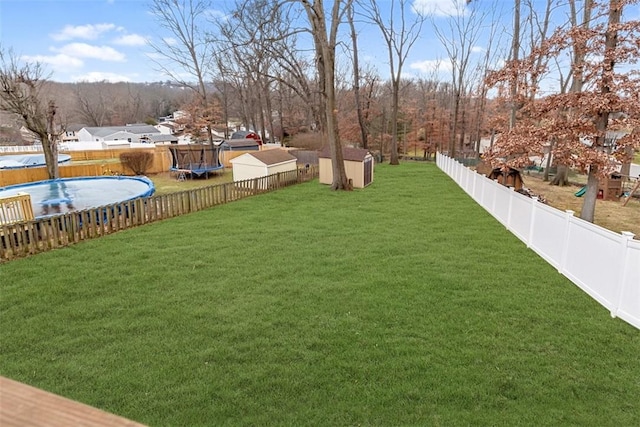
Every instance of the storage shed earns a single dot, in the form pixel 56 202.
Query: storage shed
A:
pixel 509 178
pixel 262 163
pixel 358 164
pixel 247 144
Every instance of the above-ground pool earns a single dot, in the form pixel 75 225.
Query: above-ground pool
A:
pixel 20 161
pixel 64 195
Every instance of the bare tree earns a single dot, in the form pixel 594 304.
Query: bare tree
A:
pixel 188 51
pixel 22 93
pixel 399 38
pixel 325 38
pixel 459 40
pixel 356 79
pixel 93 107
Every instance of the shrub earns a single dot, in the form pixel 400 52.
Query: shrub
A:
pixel 138 161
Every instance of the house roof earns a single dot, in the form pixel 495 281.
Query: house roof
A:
pixel 273 157
pixel 110 130
pixel 348 153
pixel 74 127
pixel 241 134
pixel 234 143
pixel 163 138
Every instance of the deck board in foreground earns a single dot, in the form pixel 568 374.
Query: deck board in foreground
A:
pixel 25 406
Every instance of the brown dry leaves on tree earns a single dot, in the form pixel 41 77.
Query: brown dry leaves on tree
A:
pixel 570 119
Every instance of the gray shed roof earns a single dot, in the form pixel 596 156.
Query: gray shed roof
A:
pixel 273 157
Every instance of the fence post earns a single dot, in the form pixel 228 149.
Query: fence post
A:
pixel 625 237
pixel 565 240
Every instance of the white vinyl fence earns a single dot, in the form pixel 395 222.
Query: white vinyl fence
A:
pixel 604 264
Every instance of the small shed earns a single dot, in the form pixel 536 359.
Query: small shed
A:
pixel 358 164
pixel 610 188
pixel 262 163
pixel 509 178
pixel 247 144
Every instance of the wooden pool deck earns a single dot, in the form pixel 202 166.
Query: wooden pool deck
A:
pixel 24 406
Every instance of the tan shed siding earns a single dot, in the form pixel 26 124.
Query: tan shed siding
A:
pixel 355 172
pixel 326 173
pixel 353 169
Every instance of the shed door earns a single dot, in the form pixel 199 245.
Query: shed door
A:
pixel 368 169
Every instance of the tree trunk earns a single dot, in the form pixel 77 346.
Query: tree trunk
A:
pixel 356 81
pixel 561 177
pixel 50 144
pixel 602 121
pixel 325 51
pixel 515 54
pixel 591 195
pixel 454 125
pixel 547 165
pixel 393 158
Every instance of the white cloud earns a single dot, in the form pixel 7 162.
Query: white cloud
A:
pixel 478 49
pixel 431 65
pixel 87 32
pixel 84 50
pixel 216 14
pixel 98 76
pixel 170 41
pixel 56 61
pixel 440 7
pixel 155 56
pixel 131 40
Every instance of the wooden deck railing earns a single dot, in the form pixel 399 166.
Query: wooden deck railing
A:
pixel 24 238
pixel 15 208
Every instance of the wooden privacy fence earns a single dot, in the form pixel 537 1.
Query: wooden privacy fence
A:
pixel 111 165
pixel 31 237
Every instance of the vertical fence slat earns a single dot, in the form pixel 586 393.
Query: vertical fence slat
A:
pixel 62 230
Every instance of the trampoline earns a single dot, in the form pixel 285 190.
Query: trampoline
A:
pixel 28 161
pixel 59 196
pixel 195 159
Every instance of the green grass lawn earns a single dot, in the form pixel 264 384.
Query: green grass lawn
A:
pixel 401 304
pixel 167 182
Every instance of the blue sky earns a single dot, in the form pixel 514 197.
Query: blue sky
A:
pixel 93 40
pixel 82 39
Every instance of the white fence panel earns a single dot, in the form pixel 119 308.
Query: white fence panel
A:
pixel 521 216
pixel 629 298
pixel 501 204
pixel 595 271
pixel 488 194
pixel 548 233
pixel 604 264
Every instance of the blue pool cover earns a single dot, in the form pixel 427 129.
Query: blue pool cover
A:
pixel 64 195
pixel 28 160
